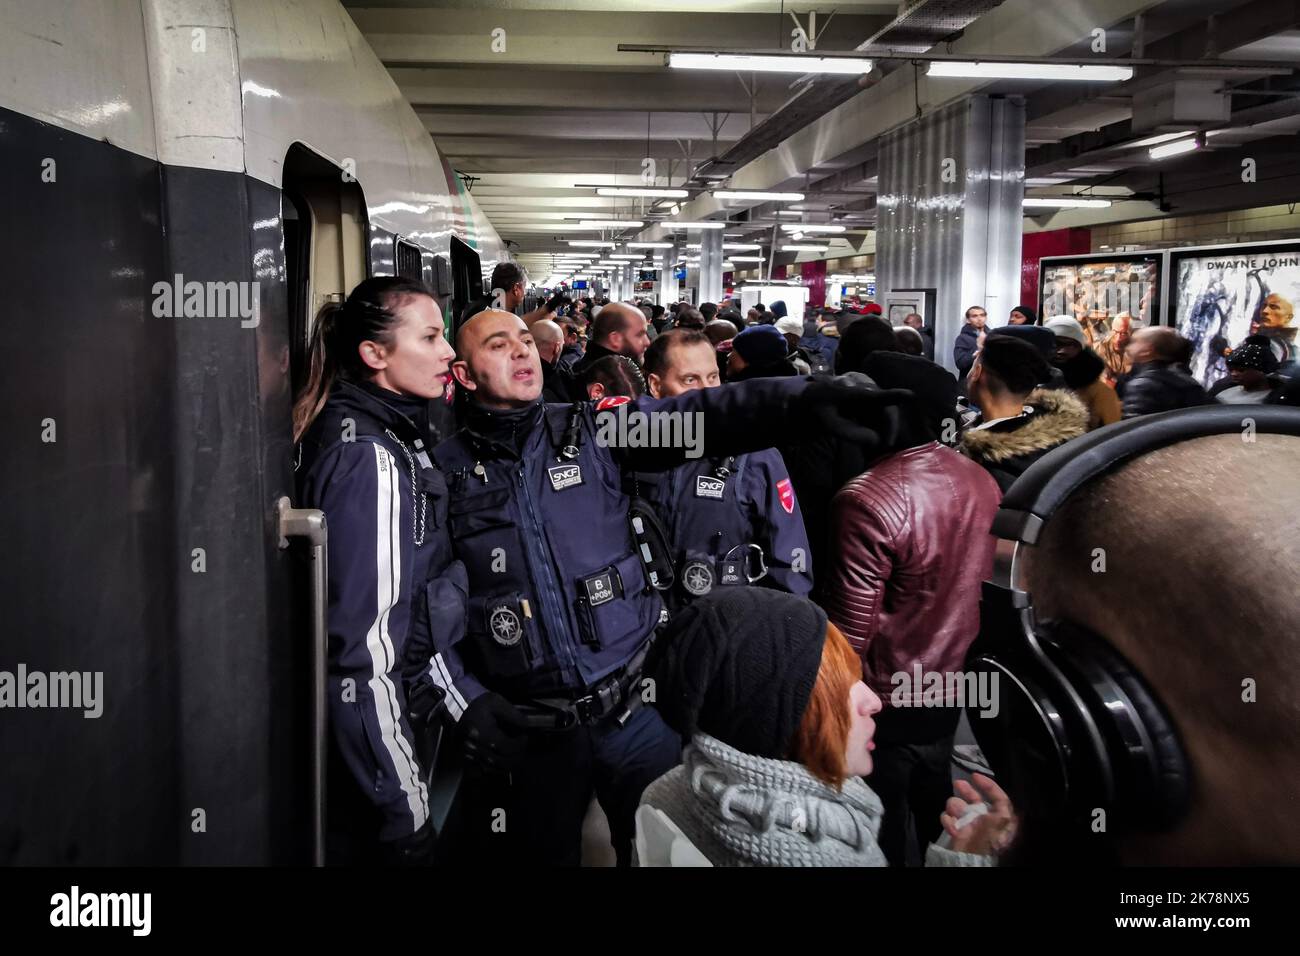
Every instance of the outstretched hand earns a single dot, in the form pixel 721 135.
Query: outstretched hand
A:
pixel 988 834
pixel 856 413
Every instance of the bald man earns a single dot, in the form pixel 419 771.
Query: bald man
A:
pixel 549 339
pixel 619 329
pixel 561 608
pixel 1160 379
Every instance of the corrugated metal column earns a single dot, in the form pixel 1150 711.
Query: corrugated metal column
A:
pixel 668 276
pixel 950 212
pixel 711 265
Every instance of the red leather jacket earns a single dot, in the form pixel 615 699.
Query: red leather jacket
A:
pixel 911 547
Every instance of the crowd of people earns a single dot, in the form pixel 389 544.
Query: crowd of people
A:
pixel 704 637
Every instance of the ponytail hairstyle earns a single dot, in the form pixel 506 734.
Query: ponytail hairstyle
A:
pixel 618 374
pixel 368 315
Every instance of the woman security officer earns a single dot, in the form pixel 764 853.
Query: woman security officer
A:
pixel 396 596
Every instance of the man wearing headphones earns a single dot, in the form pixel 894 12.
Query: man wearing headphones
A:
pixel 1172 673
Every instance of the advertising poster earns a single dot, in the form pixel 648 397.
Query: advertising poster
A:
pixel 1223 294
pixel 1112 297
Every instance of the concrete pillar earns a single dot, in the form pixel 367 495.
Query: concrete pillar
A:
pixel 950 213
pixel 711 265
pixel 667 276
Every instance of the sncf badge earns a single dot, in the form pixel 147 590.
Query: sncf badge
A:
pixel 564 476
pixel 709 487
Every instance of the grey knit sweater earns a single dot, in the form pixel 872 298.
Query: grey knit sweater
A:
pixel 740 810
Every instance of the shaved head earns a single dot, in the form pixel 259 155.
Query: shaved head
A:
pixel 549 338
pixel 1201 543
pixel 621 328
pixel 498 364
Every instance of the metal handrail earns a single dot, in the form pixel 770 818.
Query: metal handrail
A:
pixel 309 523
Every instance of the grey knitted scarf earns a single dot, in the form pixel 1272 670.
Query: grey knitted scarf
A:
pixel 775 813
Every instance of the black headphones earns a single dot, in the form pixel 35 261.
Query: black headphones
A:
pixel 1077 729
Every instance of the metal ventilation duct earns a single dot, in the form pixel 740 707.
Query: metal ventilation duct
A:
pixel 916 30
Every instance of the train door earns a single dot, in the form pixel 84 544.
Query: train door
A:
pixel 466 278
pixel 323 214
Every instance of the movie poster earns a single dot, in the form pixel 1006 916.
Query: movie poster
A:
pixel 1221 295
pixel 1110 297
pixel 1096 291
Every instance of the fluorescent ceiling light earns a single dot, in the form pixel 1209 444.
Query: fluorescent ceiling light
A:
pixel 612 223
pixel 1174 149
pixel 745 62
pixel 788 212
pixel 629 256
pixel 1040 202
pixel 741 245
pixel 1162 138
pixel 649 245
pixel 756 194
pixel 805 248
pixel 977 70
pixel 592 244
pixel 692 245
pixel 747 259
pixel 641 191
pixel 706 224
pixel 804 227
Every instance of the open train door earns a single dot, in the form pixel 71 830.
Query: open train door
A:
pixel 323 212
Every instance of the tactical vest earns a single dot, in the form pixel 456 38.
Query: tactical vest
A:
pixel 558 596
pixel 709 526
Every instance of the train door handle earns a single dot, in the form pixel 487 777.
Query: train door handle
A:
pixel 309 523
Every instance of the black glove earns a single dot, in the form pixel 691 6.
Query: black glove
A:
pixel 861 414
pixel 492 732
pixel 413 850
pixel 557 300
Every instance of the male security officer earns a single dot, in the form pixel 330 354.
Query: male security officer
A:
pixel 561 611
pixel 733 520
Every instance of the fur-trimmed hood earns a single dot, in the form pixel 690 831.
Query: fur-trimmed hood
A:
pixel 1058 416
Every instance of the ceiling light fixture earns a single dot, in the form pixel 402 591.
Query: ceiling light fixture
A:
pixel 769 63
pixel 612 224
pixel 592 244
pixel 629 256
pixel 979 70
pixel 649 245
pixel 809 227
pixel 1176 148
pixel 1048 202
pixel 704 224
pixel 802 248
pixel 756 194
pixel 640 191
pixel 741 245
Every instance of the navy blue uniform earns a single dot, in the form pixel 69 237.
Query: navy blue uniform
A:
pixel 396 595
pixel 559 604
pixel 732 521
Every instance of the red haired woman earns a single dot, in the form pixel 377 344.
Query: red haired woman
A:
pixel 770 695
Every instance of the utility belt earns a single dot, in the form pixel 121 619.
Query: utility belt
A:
pixel 616 696
pixel 744 564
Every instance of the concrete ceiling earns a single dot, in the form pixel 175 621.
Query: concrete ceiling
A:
pixel 561 105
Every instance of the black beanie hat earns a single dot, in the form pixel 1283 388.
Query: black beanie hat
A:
pixel 1017 364
pixel 1037 336
pixel 1255 352
pixel 739 664
pixel 1029 312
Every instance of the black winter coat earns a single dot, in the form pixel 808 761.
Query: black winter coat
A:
pixel 1160 387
